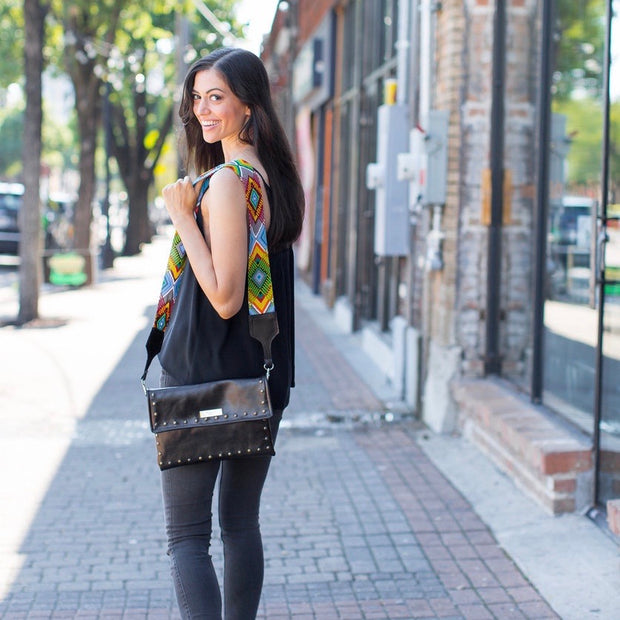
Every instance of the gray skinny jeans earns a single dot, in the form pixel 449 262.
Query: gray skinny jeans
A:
pixel 188 494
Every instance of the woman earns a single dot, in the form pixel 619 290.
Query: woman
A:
pixel 227 115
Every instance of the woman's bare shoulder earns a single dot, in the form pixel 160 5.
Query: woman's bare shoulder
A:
pixel 224 187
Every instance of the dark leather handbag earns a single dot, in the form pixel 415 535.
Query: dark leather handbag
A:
pixel 220 419
pixel 216 420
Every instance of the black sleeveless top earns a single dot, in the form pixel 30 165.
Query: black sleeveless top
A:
pixel 201 346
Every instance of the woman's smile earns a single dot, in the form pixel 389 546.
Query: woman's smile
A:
pixel 220 113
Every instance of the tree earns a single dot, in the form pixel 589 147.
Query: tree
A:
pixel 58 149
pixel 116 43
pixel 579 51
pixel 143 106
pixel 578 83
pixel 11 134
pixel 11 41
pixel 30 215
pixel 89 31
pixel 11 72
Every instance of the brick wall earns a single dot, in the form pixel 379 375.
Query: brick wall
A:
pixel 549 461
pixel 449 71
pixel 475 110
pixel 473 152
pixel 311 14
pixel 517 255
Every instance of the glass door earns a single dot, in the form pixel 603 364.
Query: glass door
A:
pixel 571 309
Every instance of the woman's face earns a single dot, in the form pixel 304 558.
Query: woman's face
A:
pixel 220 113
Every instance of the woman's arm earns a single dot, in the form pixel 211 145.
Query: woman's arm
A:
pixel 220 261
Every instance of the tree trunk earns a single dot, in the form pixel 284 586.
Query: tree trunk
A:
pixel 30 267
pixel 88 109
pixel 88 101
pixel 136 165
pixel 139 228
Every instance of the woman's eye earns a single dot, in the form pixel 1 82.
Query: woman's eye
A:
pixel 215 97
pixel 195 96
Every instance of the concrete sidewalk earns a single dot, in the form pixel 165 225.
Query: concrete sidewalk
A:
pixel 362 518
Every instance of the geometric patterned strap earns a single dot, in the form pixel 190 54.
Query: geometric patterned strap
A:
pixel 170 284
pixel 263 322
pixel 260 288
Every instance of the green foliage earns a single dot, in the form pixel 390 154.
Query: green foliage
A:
pixel 584 125
pixel 577 88
pixel 59 144
pixel 579 51
pixel 143 65
pixel 11 42
pixel 131 46
pixel 614 153
pixel 11 131
pixel 59 150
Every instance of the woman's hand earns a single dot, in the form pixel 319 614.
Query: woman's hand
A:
pixel 180 200
pixel 220 260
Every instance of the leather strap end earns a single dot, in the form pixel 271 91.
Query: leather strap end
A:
pixel 264 328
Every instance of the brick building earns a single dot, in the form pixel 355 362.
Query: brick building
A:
pixel 444 290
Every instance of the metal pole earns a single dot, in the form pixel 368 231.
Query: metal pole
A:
pixel 413 87
pixel 542 199
pixel 492 362
pixel 598 388
pixel 355 149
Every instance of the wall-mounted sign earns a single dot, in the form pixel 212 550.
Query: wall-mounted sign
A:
pixel 312 69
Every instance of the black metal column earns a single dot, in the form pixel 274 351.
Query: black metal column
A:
pixel 492 362
pixel 542 199
pixel 598 387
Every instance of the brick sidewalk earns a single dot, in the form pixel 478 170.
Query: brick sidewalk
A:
pixel 357 522
pixel 382 534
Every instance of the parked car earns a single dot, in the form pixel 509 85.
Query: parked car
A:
pixel 11 199
pixel 56 219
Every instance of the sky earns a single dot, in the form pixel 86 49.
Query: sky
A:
pixel 259 14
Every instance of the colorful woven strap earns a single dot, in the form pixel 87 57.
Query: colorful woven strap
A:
pixel 170 284
pixel 263 322
pixel 260 288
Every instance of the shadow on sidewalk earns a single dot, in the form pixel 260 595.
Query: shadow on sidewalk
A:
pixel 357 523
pixel 96 545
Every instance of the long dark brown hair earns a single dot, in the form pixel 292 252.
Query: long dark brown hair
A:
pixel 247 78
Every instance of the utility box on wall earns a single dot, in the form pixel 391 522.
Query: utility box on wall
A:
pixel 391 208
pixel 425 164
pixel 436 155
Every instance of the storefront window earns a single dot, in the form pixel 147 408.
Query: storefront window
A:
pixel 576 251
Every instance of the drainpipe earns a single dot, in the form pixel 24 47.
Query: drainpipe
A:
pixel 426 8
pixel 412 84
pixel 492 362
pixel 402 52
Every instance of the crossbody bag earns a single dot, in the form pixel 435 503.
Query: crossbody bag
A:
pixel 228 418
